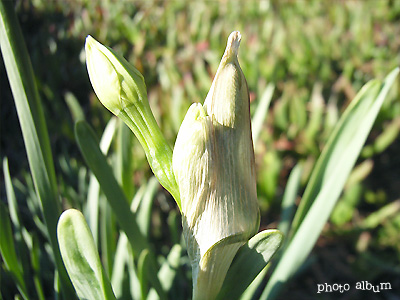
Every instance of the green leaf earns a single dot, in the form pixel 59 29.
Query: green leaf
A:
pixel 12 201
pixel 316 112
pixel 144 210
pixel 169 267
pixel 7 250
pixel 141 205
pixel 345 143
pixel 92 210
pixel 97 162
pixel 328 178
pixel 289 198
pixel 249 261
pixel 383 214
pixel 21 251
pixel 124 159
pixel 344 209
pixel 80 257
pixel 74 107
pixel 261 112
pixel 168 270
pixel 123 257
pixel 34 129
pixel 35 256
pixel 143 262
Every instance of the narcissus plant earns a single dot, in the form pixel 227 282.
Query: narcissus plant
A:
pixel 211 170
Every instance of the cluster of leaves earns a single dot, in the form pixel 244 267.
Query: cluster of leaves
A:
pixel 305 62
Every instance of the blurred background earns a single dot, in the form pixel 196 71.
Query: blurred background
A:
pixel 313 56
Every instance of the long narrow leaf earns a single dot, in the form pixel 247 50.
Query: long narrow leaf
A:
pixel 289 198
pixel 19 232
pixel 34 129
pixel 124 159
pixel 144 211
pixel 121 259
pixel 261 112
pixel 122 256
pixel 97 162
pixel 351 130
pixel 7 250
pixel 12 201
pixel 92 210
pixel 168 270
pixel 143 262
pixel 328 178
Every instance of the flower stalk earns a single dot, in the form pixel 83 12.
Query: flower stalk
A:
pixel 121 89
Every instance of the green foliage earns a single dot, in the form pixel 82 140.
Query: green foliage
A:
pixel 249 262
pixel 304 65
pixel 80 257
pixel 8 253
pixel 34 129
pixel 328 178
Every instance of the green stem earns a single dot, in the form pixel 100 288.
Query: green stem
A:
pixel 158 152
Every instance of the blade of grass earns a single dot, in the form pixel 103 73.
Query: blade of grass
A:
pixel 328 178
pixel 352 129
pixel 289 198
pixel 12 201
pixel 8 254
pixel 168 270
pixel 35 259
pixel 74 107
pixel 134 283
pixel 97 162
pixel 144 211
pixel 20 233
pixel 92 209
pixel 34 129
pixel 316 112
pixel 261 112
pixel 142 268
pixel 123 257
pixel 124 159
pixel 378 217
pixel 107 231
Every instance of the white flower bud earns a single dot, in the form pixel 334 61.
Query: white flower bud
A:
pixel 213 163
pixel 116 82
pixel 121 89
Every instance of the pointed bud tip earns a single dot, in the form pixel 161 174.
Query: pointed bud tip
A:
pixel 89 41
pixel 232 46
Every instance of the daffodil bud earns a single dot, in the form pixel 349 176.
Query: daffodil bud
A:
pixel 121 89
pixel 116 82
pixel 213 163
